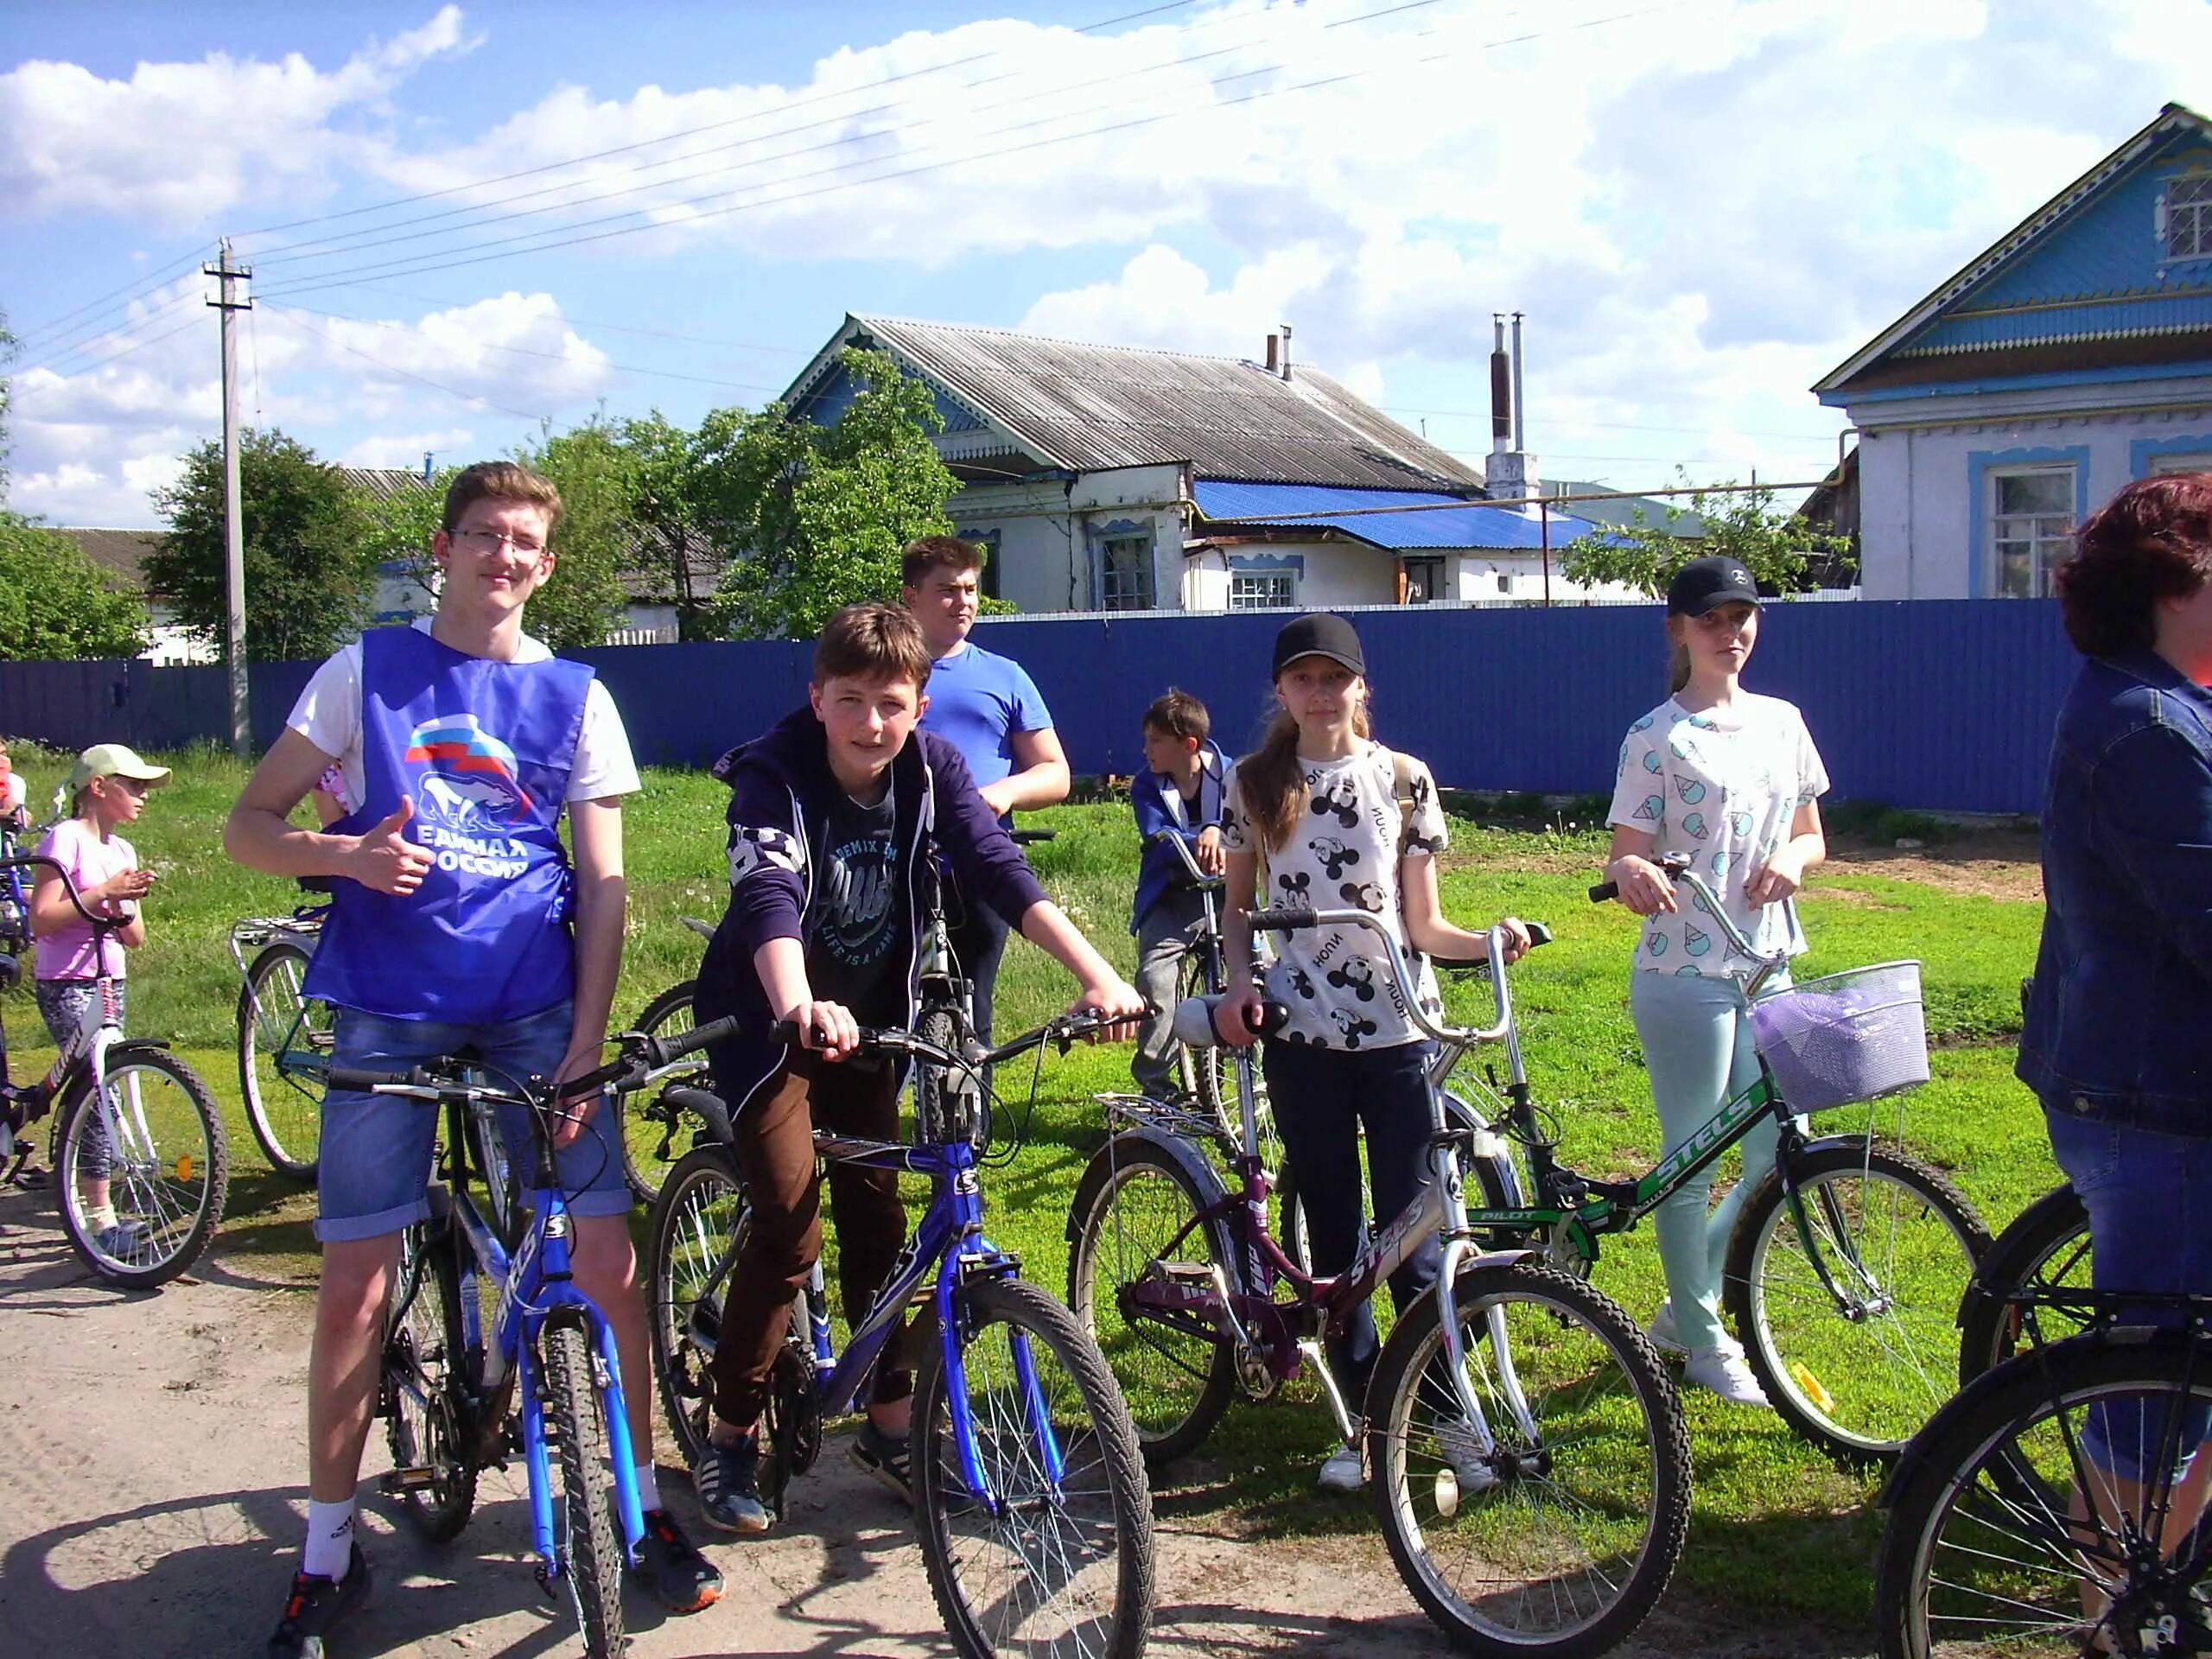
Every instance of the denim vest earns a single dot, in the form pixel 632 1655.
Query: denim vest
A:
pixel 484 749
pixel 2118 1026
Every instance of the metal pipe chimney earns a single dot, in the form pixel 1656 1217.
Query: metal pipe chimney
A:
pixel 1519 407
pixel 1501 389
pixel 1271 366
pixel 1285 351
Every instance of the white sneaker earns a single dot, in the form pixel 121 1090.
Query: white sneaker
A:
pixel 1662 1335
pixel 1725 1374
pixel 1342 1472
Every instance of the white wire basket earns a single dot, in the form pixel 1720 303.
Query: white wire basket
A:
pixel 1857 1035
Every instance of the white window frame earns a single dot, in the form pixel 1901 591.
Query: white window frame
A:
pixel 1267 590
pixel 2180 461
pixel 2048 536
pixel 1111 594
pixel 2185 216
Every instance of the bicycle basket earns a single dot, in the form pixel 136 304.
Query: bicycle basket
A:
pixel 1852 1036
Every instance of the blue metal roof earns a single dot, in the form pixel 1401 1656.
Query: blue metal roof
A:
pixel 1433 520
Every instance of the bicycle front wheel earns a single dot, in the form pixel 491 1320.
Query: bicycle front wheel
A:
pixel 584 1522
pixel 1849 1321
pixel 1559 1540
pixel 647 1125
pixel 697 1226
pixel 2050 1508
pixel 1175 1370
pixel 425 1355
pixel 279 1027
pixel 2045 1248
pixel 1054 1554
pixel 154 1140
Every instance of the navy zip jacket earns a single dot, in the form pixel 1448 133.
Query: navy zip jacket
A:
pixel 2118 1026
pixel 1158 805
pixel 781 789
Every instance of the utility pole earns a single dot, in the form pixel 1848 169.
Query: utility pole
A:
pixel 233 515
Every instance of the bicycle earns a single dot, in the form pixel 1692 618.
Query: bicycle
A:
pixel 1848 1263
pixel 2045 1248
pixel 133 1118
pixel 2058 1504
pixel 491 1348
pixel 1034 1515
pixel 649 1131
pixel 1531 1463
pixel 285 1037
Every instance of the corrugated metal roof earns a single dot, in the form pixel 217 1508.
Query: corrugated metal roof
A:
pixel 1435 520
pixel 119 552
pixel 1087 408
pixel 384 483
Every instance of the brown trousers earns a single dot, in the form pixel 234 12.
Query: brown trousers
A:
pixel 775 1152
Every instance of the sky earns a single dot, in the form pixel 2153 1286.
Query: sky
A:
pixel 468 224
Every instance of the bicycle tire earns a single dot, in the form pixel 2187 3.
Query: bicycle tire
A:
pixel 1552 1557
pixel 273 1014
pixel 1915 1236
pixel 1176 1383
pixel 584 1522
pixel 167 1183
pixel 1204 1073
pixel 1979 1533
pixel 948 1105
pixel 1100 1561
pixel 425 1357
pixel 699 1216
pixel 668 1014
pixel 2046 1248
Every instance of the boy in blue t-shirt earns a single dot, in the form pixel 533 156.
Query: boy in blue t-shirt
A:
pixel 1179 794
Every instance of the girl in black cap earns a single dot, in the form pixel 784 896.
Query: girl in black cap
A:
pixel 1340 822
pixel 1730 781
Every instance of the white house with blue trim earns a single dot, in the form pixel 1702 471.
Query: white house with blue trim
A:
pixel 2072 356
pixel 1108 477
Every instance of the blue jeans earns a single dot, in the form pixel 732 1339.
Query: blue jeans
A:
pixel 1322 1097
pixel 1697 1048
pixel 2149 1198
pixel 376 1148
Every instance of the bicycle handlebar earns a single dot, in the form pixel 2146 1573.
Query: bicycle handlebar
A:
pixel 1030 837
pixel 26 860
pixel 1198 877
pixel 631 1070
pixel 1063 1029
pixel 1291 917
pixel 1678 868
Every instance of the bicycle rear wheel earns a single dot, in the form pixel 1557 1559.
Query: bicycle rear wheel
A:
pixel 646 1124
pixel 1176 1373
pixel 1059 1559
pixel 1857 1361
pixel 1559 1542
pixel 278 1026
pixel 425 1357
pixel 2046 1248
pixel 2002 1513
pixel 584 1522
pixel 697 1225
pixel 161 1148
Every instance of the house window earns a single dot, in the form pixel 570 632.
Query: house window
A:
pixel 2194 460
pixel 1125 573
pixel 2030 525
pixel 1260 590
pixel 1505 584
pixel 1424 581
pixel 2188 217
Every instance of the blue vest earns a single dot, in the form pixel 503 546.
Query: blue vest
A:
pixel 484 750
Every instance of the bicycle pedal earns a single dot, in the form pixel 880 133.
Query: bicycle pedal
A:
pixel 1195 1275
pixel 409 1480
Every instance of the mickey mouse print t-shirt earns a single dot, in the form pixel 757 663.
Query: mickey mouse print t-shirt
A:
pixel 1342 853
pixel 1719 788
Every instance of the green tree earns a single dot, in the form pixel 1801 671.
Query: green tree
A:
pixel 310 567
pixel 813 516
pixel 1781 551
pixel 597 477
pixel 398 526
pixel 670 546
pixel 56 604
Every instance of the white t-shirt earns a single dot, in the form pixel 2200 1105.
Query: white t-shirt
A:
pixel 1342 853
pixel 75 845
pixel 328 714
pixel 1721 789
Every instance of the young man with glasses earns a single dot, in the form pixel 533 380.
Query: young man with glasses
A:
pixel 459 921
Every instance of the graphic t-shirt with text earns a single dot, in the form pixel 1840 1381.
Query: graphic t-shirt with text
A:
pixel 859 910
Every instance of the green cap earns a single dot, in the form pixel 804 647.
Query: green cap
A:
pixel 114 760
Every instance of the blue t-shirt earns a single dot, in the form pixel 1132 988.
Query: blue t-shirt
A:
pixel 978 701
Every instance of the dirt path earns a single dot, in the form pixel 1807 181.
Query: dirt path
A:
pixel 152 1507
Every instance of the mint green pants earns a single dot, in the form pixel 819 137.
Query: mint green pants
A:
pixel 1697 1048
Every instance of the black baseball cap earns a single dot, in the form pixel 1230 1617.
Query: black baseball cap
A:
pixel 1701 584
pixel 1318 635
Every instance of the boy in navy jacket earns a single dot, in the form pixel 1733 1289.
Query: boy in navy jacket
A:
pixel 1177 794
pixel 833 815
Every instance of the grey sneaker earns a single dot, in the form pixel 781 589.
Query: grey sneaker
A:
pixel 728 1479
pixel 1343 1472
pixel 316 1604
pixel 123 1240
pixel 888 1457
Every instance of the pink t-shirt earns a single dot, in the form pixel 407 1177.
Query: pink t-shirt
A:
pixel 79 849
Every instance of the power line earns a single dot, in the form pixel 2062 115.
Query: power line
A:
pixel 408 374
pixel 1612 426
pixel 84 347
pixel 151 280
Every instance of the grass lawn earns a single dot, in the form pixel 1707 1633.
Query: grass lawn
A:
pixel 1763 1498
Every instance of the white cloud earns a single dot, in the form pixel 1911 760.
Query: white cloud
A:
pixel 406 449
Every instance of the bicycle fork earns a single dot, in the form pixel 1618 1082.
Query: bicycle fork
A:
pixel 606 1382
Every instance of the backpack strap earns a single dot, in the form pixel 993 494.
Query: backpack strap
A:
pixel 1401 789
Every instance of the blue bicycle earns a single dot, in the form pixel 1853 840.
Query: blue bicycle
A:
pixel 1029 1491
pixel 491 1348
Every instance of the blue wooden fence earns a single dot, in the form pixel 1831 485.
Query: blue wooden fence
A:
pixel 1929 703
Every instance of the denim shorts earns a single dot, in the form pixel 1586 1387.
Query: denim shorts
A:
pixel 376 1148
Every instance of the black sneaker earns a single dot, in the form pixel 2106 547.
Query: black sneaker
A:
pixel 728 1478
pixel 315 1606
pixel 889 1458
pixel 681 1579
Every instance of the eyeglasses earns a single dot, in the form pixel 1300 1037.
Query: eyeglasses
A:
pixel 491 541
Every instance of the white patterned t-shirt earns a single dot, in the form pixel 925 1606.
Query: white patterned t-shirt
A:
pixel 1342 853
pixel 1721 789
